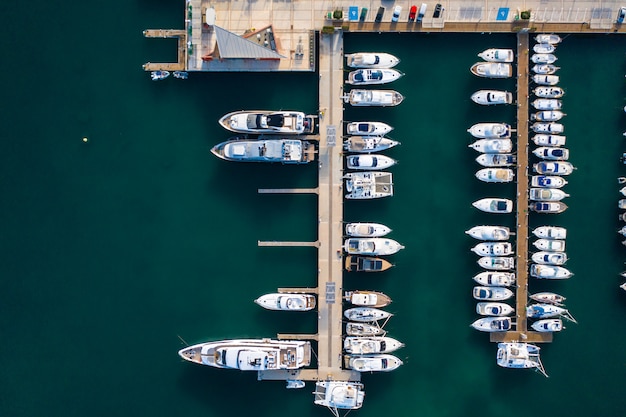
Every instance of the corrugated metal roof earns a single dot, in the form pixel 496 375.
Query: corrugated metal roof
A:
pixel 231 45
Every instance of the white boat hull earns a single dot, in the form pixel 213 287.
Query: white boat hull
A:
pixel 367 76
pixel 548 38
pixel 492 233
pixel 368 185
pixel 547 116
pixel 550 245
pixel 490 160
pixel 493 249
pixel 492 324
pixel 494 309
pixel 548 297
pixel 368 128
pixel 367 230
pixel 553 168
pixel 543 59
pixel 497 263
pixel 552 153
pixel 547 194
pixel 495 279
pixel 544 48
pixel 549 92
pixel 549 258
pixel 368 144
pixel 494 205
pixel 549 272
pixel 380 98
pixel 492 97
pixel 371 246
pixel 490 131
pixel 287 302
pixel 363 329
pixel 549 140
pixel 366 314
pixel 545 69
pixel 554 207
pixel 548 325
pixel 497 55
pixel 547 104
pixel 371 60
pixel 491 146
pixel 491 293
pixel 492 69
pixel 547 181
pixel 550 232
pixel 495 175
pixel 370 345
pixel 374 363
pixel 369 162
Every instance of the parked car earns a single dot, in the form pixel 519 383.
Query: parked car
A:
pixel 621 15
pixel 379 15
pixel 438 11
pixel 422 12
pixel 396 14
pixel 412 13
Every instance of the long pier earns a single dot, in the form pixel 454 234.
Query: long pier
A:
pixel 179 65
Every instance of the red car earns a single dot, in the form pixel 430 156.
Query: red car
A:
pixel 412 13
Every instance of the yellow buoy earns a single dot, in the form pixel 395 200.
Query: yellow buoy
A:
pixel 85 140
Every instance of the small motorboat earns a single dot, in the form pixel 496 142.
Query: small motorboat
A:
pixel 494 205
pixel 368 144
pixel 549 140
pixel 495 174
pixel 493 249
pixel 545 68
pixel 517 355
pixel 492 145
pixel 547 127
pixel 287 301
pixel 550 38
pixel 492 97
pixel 496 160
pixel 550 245
pixel 548 325
pixel 367 298
pixel 381 98
pixel 548 297
pixel 543 79
pixel 355 263
pixel 373 76
pixel 547 116
pixel 548 311
pixel 492 233
pixel 373 363
pixel 549 272
pixel 367 230
pixel 547 104
pixel 339 395
pixel 369 162
pixel 549 258
pixel 543 59
pixel 363 329
pixel 183 75
pixel 622 231
pixel 497 263
pixel 368 128
pixel 548 206
pixel 547 194
pixel 621 203
pixel 490 131
pixel 497 55
pixel 367 185
pixel 490 308
pixel 371 60
pixel 550 232
pixel 492 69
pixel 491 293
pixel 366 314
pixel 495 279
pixel 547 181
pixel 549 92
pixel 493 324
pixel 544 48
pixel 295 384
pixel 159 75
pixel 622 191
pixel 556 168
pixel 370 345
pixel 551 153
pixel 371 246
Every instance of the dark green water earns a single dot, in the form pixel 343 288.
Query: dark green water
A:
pixel 114 248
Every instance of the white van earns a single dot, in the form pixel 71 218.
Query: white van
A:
pixel 421 13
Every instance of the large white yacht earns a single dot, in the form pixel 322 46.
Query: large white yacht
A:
pixel 497 55
pixel 268 121
pixel 369 345
pixel 381 98
pixel 283 150
pixel 371 60
pixel 492 69
pixel 287 301
pixel 373 76
pixel 371 246
pixel 490 130
pixel 373 363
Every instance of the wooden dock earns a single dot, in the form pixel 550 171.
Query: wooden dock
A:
pixel 288 191
pixel 521 332
pixel 182 49
pixel 276 243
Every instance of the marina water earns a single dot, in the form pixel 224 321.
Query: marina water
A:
pixel 118 251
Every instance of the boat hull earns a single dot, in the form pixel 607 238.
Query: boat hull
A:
pixel 367 76
pixel 369 162
pixel 268 122
pixel 366 314
pixel 355 263
pixel 284 151
pixel 371 60
pixel 491 293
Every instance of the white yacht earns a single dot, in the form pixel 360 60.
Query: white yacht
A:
pixel 370 345
pixel 363 329
pixel 490 308
pixel 543 59
pixel 550 245
pixel 497 55
pixel 493 249
pixel 548 297
pixel 371 246
pixel 494 205
pixel 159 75
pixel 546 79
pixel 369 162
pixel 491 146
pixel 267 121
pixel 367 230
pixel 549 92
pixel 382 362
pixel 497 263
pixel 281 150
pixel 368 185
pixel 356 263
pixel 552 153
pixel 544 48
pixel 519 355
pixel 495 174
pixel 548 38
pixel 548 311
pixel 366 314
pixel 491 293
pixel 376 76
pixel 547 206
pixel 339 395
pixel 495 279
pixel 547 194
pixel 549 258
pixel 368 128
pixel 556 168
pixel 367 298
pixel 287 301
pixel 368 144
pixel 547 104
pixel 549 140
pixel 549 272
pixel 496 160
pixel 371 60
pixel 489 232
pixel 492 69
pixel 492 97
pixel 550 232
pixel 545 68
pixel 490 130
pixel 381 98
pixel 548 325
pixel 547 181
pixel 547 116
pixel 250 354
pixel 493 324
